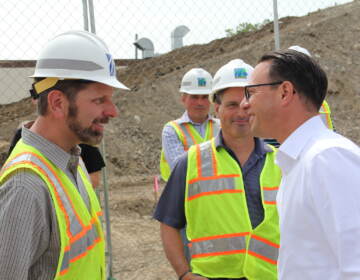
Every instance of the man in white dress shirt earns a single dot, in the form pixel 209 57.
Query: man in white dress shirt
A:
pixel 319 196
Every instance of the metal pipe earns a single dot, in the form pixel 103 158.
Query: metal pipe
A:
pixel 92 16
pixel 136 49
pixel 85 15
pixel 107 213
pixel 276 26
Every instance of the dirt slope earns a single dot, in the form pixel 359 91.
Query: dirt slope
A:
pixel 330 35
pixel 133 140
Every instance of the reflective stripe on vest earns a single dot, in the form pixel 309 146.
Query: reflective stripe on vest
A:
pixel 270 194
pixel 79 247
pixel 188 137
pixel 263 249
pixel 218 245
pixel 325 111
pixel 209 182
pixel 81 238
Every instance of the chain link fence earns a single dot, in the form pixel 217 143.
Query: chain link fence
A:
pixel 157 26
pixel 133 29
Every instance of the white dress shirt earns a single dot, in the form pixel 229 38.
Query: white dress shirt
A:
pixel 319 205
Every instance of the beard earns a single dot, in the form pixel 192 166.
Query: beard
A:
pixel 86 135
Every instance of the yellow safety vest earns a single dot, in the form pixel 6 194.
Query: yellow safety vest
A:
pixel 222 241
pixel 325 112
pixel 82 250
pixel 188 136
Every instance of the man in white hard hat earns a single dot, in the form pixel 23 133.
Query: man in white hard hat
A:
pixel 224 191
pixel 49 213
pixel 194 126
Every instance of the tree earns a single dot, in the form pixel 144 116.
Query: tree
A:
pixel 245 27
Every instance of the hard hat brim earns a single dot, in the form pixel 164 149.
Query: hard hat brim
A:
pixel 196 92
pixel 229 85
pixel 112 82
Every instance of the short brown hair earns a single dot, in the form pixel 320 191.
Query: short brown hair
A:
pixel 70 88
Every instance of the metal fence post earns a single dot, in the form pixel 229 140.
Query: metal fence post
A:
pixel 276 26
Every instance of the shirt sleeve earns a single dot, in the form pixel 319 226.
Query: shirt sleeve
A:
pixel 173 148
pixel 24 226
pixel 92 158
pixel 170 208
pixel 335 178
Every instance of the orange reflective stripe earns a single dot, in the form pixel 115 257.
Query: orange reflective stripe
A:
pixel 214 163
pixel 327 114
pixel 52 184
pixel 263 249
pixel 225 244
pixel 265 241
pixel 213 193
pixel 198 161
pixel 211 127
pixel 262 257
pixel 213 177
pixel 270 195
pixel 72 238
pixel 84 231
pixel 220 236
pixel 186 146
pixel 242 251
pixel 186 125
pixel 62 186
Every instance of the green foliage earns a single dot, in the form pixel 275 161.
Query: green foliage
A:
pixel 245 27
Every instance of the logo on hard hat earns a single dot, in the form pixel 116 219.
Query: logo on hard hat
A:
pixel 111 64
pixel 240 73
pixel 201 82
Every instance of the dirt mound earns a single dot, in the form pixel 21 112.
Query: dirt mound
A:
pixel 133 140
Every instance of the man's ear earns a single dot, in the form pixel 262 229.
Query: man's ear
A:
pixel 57 103
pixel 217 107
pixel 287 93
pixel 182 98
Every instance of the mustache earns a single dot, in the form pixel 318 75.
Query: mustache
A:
pixel 103 120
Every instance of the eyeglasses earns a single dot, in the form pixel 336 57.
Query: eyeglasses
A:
pixel 248 93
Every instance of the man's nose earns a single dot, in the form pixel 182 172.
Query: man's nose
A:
pixel 111 110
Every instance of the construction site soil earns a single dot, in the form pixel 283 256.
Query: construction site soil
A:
pixel 133 140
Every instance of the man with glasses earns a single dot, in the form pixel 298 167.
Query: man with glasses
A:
pixel 318 199
pixel 325 112
pixel 224 190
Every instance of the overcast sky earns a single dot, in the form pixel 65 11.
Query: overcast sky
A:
pixel 26 25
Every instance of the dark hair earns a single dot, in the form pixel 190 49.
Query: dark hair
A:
pixel 308 78
pixel 218 96
pixel 70 88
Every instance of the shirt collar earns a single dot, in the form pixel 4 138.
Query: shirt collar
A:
pixel 186 119
pixel 52 151
pixel 290 150
pixel 261 148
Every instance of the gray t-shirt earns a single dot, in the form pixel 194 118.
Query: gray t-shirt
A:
pixel 29 234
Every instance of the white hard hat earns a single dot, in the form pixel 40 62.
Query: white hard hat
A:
pixel 196 81
pixel 77 55
pixel 300 49
pixel 235 73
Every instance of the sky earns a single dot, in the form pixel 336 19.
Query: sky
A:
pixel 26 25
